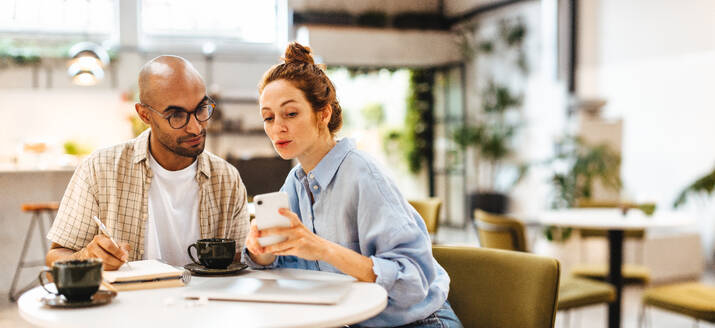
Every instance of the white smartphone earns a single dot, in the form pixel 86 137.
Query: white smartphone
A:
pixel 267 215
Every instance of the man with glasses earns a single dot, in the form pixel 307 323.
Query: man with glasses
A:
pixel 157 193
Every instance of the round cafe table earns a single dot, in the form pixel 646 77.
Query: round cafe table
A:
pixel 167 308
pixel 615 223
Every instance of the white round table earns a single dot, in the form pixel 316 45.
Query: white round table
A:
pixel 613 221
pixel 167 308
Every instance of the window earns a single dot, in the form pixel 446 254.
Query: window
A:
pixel 238 20
pixel 85 17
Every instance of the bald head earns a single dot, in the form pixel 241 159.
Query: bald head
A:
pixel 165 75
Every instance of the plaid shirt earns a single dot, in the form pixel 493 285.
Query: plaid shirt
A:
pixel 113 184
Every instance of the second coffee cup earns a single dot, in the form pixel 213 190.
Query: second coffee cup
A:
pixel 76 280
pixel 214 253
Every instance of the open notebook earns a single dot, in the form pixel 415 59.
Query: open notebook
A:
pixel 270 290
pixel 144 275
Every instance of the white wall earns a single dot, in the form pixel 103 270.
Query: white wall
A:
pixel 654 61
pixel 97 116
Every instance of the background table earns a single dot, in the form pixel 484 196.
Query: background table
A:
pixel 613 221
pixel 167 307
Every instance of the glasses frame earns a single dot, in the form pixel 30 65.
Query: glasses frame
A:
pixel 167 116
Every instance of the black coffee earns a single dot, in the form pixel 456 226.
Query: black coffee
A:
pixel 214 253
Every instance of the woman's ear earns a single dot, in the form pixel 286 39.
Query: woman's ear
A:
pixel 326 114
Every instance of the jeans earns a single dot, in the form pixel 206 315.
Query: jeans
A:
pixel 442 318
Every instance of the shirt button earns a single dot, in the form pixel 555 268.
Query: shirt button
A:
pixel 312 176
pixel 315 187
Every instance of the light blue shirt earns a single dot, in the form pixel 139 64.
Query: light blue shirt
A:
pixel 359 207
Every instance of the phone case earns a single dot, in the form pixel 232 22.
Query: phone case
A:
pixel 267 216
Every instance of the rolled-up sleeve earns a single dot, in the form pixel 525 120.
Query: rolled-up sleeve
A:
pixel 73 227
pixel 400 249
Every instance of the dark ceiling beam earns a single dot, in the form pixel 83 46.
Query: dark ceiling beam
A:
pixel 481 10
pixel 428 21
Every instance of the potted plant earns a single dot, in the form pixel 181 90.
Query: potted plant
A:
pixel 491 139
pixel 703 185
pixel 492 134
pixel 577 167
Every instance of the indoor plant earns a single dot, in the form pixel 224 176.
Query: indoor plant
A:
pixel 491 139
pixel 577 166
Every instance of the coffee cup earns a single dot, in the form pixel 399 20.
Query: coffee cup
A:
pixel 76 280
pixel 214 253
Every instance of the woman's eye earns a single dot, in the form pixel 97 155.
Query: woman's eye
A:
pixel 293 114
pixel 267 119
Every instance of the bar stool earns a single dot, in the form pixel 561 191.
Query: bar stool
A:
pixel 37 209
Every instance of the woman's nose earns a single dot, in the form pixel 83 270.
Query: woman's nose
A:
pixel 279 125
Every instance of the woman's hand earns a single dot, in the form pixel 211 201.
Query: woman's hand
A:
pixel 305 244
pixel 255 250
pixel 301 242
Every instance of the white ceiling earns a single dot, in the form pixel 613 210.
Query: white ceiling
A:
pixel 390 7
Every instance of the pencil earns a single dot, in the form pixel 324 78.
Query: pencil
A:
pixel 104 231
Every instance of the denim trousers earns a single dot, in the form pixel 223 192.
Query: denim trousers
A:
pixel 442 318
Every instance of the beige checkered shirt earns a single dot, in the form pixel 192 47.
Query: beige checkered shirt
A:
pixel 113 183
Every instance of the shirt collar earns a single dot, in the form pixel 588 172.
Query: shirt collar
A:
pixel 329 164
pixel 141 150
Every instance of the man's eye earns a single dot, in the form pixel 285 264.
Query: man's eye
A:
pixel 267 119
pixel 178 115
pixel 294 114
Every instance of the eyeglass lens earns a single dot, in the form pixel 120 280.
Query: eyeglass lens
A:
pixel 179 119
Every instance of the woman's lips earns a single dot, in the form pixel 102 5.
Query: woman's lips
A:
pixel 282 143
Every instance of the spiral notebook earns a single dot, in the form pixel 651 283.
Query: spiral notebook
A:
pixel 144 274
pixel 269 290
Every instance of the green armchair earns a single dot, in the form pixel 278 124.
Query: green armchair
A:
pixel 495 288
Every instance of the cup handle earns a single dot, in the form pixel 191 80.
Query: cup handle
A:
pixel 42 283
pixel 191 255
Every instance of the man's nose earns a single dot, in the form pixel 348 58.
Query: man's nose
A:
pixel 194 126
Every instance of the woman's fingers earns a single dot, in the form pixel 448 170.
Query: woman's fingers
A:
pixel 281 248
pixel 294 219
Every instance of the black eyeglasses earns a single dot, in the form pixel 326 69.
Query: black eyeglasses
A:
pixel 179 118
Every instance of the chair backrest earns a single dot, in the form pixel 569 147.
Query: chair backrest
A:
pixel 429 211
pixel 497 288
pixel 498 231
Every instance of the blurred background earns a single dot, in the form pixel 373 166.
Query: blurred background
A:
pixel 509 106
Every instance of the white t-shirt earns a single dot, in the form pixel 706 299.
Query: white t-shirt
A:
pixel 173 222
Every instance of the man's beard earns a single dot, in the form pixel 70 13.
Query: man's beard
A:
pixel 184 151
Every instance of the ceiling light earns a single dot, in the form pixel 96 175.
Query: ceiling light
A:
pixel 87 64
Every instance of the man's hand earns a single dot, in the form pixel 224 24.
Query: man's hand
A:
pixel 102 247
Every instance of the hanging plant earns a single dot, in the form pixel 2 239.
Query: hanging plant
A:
pixel 415 139
pixel 12 55
pixel 513 32
pixel 373 19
